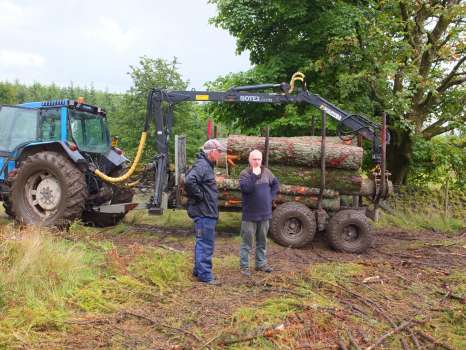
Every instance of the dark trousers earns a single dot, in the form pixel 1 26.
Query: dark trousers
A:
pixel 251 230
pixel 204 249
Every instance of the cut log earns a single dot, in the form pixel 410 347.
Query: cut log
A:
pixel 341 180
pixel 304 151
pixel 228 184
pixel 233 199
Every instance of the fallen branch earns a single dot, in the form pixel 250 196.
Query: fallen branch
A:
pixel 242 340
pixel 433 340
pixel 341 344
pixel 389 334
pixel 154 322
pixel 353 341
pixel 170 248
pixel 209 341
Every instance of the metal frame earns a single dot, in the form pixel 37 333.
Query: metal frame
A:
pixel 159 98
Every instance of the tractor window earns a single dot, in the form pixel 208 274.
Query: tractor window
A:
pixel 17 126
pixel 90 132
pixel 50 125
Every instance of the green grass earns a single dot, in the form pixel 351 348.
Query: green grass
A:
pixel 334 272
pixel 112 293
pixel 162 269
pixel 228 222
pixel 38 274
pixel 418 219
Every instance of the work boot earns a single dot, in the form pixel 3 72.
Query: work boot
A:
pixel 265 268
pixel 246 272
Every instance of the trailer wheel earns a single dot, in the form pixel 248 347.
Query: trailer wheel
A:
pixel 48 189
pixel 120 195
pixel 350 231
pixel 293 225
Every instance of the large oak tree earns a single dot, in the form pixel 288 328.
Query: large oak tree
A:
pixel 403 57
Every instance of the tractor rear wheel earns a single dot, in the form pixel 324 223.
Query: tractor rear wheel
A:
pixel 293 225
pixel 48 189
pixel 350 231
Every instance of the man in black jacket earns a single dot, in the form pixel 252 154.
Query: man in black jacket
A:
pixel 202 192
pixel 258 188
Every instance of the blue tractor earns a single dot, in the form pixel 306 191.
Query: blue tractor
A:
pixel 49 153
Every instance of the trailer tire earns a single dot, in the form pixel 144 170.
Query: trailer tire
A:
pixel 293 225
pixel 120 195
pixel 350 231
pixel 48 189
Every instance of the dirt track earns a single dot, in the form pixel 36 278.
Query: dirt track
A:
pixel 407 275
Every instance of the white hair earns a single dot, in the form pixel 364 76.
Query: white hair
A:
pixel 255 152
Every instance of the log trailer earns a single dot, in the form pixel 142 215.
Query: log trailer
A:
pixel 293 224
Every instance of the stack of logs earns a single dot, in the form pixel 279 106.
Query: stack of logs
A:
pixel 295 161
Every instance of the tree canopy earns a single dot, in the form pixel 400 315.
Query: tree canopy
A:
pixel 402 57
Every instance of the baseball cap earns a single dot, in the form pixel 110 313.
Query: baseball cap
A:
pixel 214 144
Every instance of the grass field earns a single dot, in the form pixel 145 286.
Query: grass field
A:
pixel 130 286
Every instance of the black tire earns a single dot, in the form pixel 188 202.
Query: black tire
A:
pixel 7 205
pixel 120 195
pixel 350 231
pixel 293 225
pixel 48 189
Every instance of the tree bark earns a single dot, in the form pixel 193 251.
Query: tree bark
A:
pixel 303 151
pixel 228 184
pixel 233 199
pixel 399 153
pixel 340 180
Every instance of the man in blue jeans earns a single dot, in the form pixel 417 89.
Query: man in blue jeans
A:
pixel 202 192
pixel 258 188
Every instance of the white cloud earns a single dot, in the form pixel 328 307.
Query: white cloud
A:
pixel 11 15
pixel 10 58
pixel 110 33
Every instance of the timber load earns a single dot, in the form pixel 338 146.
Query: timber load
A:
pixel 295 161
pixel 296 151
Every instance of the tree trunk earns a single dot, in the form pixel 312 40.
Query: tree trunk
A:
pixel 399 153
pixel 340 180
pixel 303 151
pixel 233 199
pixel 228 184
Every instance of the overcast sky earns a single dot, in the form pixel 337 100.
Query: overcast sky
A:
pixel 94 42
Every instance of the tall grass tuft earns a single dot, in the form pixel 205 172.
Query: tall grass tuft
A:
pixel 422 219
pixel 162 269
pixel 38 273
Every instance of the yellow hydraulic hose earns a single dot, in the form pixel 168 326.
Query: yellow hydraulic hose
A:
pixel 130 172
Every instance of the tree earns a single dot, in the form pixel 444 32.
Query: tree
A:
pixel 402 57
pixel 128 122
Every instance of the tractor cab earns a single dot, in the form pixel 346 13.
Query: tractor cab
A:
pixel 71 121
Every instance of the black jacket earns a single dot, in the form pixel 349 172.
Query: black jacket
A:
pixel 201 189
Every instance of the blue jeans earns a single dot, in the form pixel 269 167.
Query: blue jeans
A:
pixel 204 249
pixel 249 231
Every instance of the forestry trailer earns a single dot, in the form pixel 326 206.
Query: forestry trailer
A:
pixel 293 223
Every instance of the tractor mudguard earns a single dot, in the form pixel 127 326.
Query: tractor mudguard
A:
pixel 115 158
pixel 75 156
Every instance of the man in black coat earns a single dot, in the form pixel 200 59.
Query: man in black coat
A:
pixel 202 192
